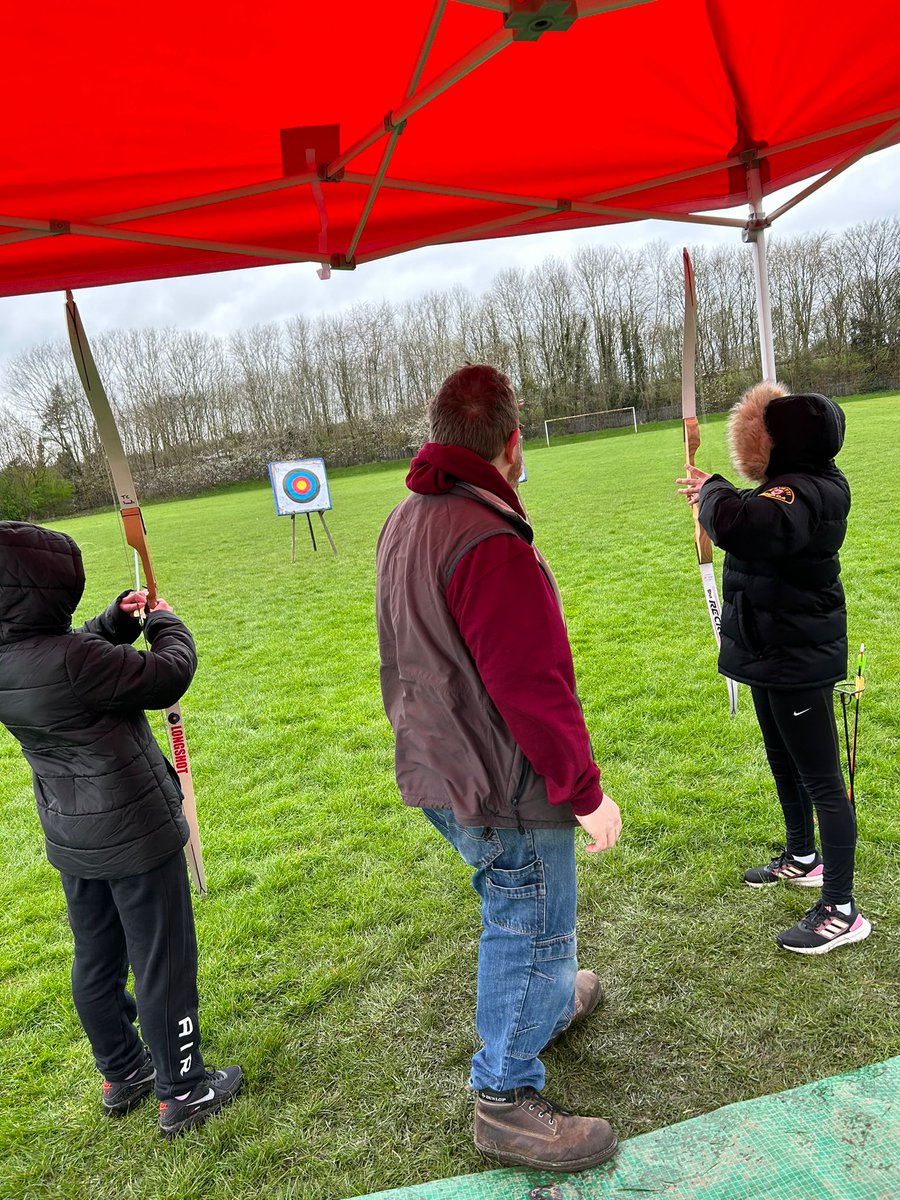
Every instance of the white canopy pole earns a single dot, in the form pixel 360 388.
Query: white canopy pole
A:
pixel 755 234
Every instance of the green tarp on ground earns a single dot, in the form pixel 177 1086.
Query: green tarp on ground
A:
pixel 838 1139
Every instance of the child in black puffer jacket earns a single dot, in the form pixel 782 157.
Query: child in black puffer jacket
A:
pixel 111 811
pixel 784 633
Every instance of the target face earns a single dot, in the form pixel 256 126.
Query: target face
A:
pixel 300 486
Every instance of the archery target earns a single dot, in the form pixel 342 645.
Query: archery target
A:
pixel 300 486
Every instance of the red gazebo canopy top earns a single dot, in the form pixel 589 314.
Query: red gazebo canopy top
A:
pixel 186 138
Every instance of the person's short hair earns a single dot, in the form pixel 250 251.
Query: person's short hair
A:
pixel 475 407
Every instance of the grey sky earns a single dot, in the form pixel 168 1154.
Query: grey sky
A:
pixel 231 300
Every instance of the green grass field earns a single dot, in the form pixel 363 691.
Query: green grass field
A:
pixel 337 944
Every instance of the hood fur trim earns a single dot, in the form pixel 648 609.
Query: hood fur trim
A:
pixel 748 439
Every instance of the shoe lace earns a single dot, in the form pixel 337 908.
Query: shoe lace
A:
pixel 543 1106
pixel 819 912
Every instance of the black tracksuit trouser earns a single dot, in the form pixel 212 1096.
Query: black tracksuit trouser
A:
pixel 146 921
pixel 801 740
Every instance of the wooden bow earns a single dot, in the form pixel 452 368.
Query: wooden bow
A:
pixel 136 536
pixel 691 446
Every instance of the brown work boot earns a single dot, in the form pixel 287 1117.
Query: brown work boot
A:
pixel 588 994
pixel 524 1128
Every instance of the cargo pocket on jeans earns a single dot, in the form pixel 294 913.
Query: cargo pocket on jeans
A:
pixel 516 900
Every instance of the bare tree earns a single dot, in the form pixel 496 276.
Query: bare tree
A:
pixel 599 330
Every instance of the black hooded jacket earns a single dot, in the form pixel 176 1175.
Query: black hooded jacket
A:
pixel 108 800
pixel 784 621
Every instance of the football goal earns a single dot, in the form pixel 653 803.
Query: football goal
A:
pixel 607 418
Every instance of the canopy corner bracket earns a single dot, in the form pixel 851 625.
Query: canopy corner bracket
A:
pixel 341 262
pixel 529 20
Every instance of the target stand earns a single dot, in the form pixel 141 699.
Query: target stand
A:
pixel 301 487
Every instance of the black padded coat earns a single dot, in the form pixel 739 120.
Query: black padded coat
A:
pixel 784 621
pixel 108 800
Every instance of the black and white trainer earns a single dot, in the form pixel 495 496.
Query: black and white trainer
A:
pixel 824 928
pixel 120 1097
pixel 786 869
pixel 217 1089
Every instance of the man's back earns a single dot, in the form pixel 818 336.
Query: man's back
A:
pixel 454 749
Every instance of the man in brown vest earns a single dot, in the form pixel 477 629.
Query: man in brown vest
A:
pixel 491 744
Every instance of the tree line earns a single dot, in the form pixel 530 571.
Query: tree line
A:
pixel 599 330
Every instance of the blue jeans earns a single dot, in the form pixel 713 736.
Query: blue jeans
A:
pixel 527 954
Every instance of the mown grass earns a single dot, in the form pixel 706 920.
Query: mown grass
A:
pixel 338 939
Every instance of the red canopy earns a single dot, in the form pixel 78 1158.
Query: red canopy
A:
pixel 142 142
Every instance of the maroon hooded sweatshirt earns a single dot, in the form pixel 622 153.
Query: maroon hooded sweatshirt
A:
pixel 503 599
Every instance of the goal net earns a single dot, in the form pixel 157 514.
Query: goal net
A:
pixel 592 422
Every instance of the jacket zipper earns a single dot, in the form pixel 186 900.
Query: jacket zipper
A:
pixel 517 795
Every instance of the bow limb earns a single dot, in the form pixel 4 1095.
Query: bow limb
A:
pixel 691 426
pixel 689 396
pixel 120 471
pixel 136 537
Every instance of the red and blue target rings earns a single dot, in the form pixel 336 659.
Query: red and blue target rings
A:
pixel 301 486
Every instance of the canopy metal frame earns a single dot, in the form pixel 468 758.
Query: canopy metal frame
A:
pixel 524 20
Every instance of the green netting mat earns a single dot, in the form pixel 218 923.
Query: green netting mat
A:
pixel 838 1139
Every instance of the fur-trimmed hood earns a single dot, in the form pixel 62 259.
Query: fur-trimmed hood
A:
pixel 771 432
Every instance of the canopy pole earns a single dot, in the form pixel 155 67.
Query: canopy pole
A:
pixel 755 234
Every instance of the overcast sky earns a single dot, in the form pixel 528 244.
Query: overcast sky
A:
pixel 231 300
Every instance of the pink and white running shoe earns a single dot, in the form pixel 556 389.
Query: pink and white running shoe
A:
pixel 823 928
pixel 786 869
